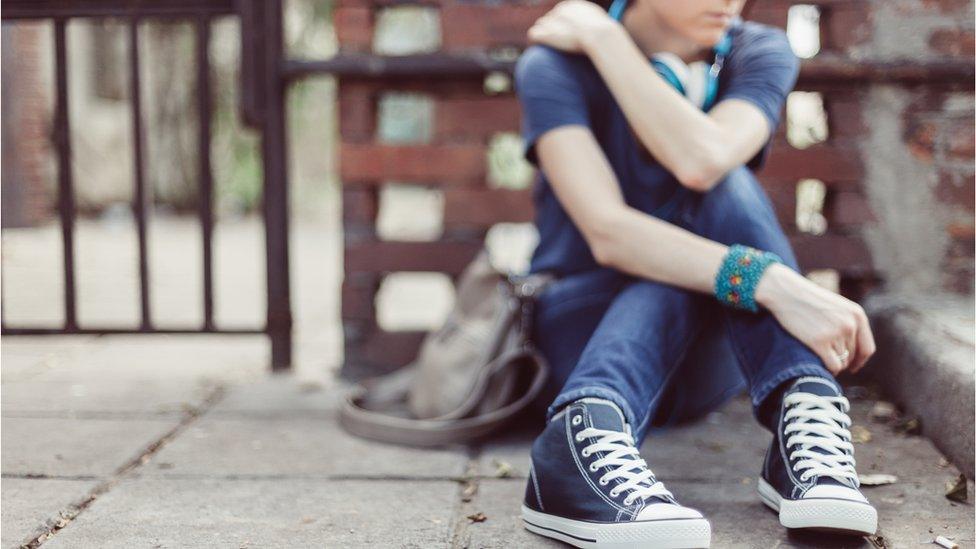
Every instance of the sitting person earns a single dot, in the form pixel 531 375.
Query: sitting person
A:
pixel 647 122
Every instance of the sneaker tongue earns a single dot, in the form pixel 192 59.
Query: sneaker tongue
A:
pixel 822 387
pixel 815 385
pixel 605 414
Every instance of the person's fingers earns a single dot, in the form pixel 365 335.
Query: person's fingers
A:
pixel 865 342
pixel 842 353
pixel 850 349
pixel 829 358
pixel 842 342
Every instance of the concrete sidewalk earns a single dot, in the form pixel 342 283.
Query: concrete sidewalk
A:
pixel 188 442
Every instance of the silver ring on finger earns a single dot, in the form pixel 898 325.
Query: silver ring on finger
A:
pixel 842 356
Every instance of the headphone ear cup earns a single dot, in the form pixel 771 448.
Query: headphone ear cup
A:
pixel 697 86
pixel 672 69
pixel 692 81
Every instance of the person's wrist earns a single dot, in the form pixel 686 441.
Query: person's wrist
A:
pixel 773 286
pixel 600 32
pixel 742 269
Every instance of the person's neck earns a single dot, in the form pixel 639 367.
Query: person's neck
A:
pixel 652 35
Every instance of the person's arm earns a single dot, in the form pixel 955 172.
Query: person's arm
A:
pixel 634 242
pixel 696 147
pixel 587 188
pixel 619 235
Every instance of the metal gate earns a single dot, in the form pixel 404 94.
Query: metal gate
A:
pixel 263 87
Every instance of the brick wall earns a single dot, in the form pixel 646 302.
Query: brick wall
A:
pixel 932 126
pixel 27 170
pixel 919 153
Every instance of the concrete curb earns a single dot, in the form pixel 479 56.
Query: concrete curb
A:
pixel 925 363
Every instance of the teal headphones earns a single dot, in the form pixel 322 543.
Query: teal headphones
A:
pixel 698 82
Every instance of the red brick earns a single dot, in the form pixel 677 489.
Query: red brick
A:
pixel 961 231
pixel 475 118
pixel 360 205
pixel 783 198
pixel 919 137
pixel 482 26
pixel 385 256
pixel 354 28
pixel 358 295
pixel 954 42
pixel 848 209
pixel 846 253
pixel 844 114
pixel 926 101
pixel 957 276
pixel 444 164
pixel 769 13
pixel 28 161
pixel 845 25
pixel 357 110
pixel 825 162
pixel 961 140
pixel 484 207
pixel 957 188
pixel 947 6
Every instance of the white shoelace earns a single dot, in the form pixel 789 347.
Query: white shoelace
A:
pixel 624 461
pixel 815 421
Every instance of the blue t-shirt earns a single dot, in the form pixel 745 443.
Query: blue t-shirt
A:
pixel 558 89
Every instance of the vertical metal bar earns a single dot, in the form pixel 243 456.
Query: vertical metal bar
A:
pixel 66 199
pixel 274 148
pixel 252 62
pixel 206 173
pixel 140 196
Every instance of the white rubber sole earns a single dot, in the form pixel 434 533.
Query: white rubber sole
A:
pixel 834 515
pixel 662 534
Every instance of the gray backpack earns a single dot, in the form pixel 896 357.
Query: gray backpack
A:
pixel 471 375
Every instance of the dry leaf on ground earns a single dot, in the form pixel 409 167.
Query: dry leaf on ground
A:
pixel 503 469
pixel 860 434
pixel 478 517
pixel 956 489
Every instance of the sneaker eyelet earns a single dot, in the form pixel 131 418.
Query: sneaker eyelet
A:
pixel 577 420
pixel 579 438
pixel 586 453
pixel 614 493
pixel 628 501
pixel 592 469
pixel 604 482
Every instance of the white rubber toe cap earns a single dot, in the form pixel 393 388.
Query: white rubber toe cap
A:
pixel 667 511
pixel 835 492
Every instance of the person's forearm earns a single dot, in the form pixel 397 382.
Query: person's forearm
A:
pixel 660 251
pixel 683 138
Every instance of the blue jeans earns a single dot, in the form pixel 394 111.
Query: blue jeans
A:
pixel 664 354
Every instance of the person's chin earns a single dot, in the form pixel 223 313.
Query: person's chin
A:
pixel 709 38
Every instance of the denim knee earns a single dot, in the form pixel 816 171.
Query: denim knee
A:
pixel 737 210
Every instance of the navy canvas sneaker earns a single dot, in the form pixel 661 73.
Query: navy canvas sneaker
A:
pixel 808 476
pixel 589 487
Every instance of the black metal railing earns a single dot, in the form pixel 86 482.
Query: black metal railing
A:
pixel 263 92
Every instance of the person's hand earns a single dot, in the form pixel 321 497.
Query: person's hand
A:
pixel 834 327
pixel 571 25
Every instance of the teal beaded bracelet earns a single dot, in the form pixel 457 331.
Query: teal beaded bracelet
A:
pixel 737 278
